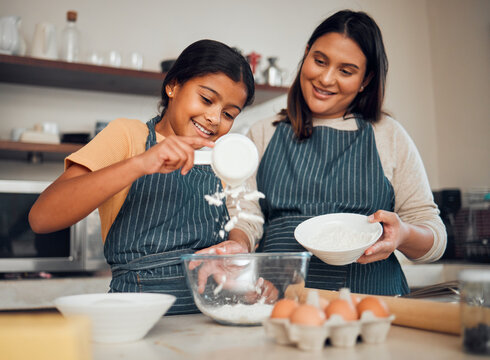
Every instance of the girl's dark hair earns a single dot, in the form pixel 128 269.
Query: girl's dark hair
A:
pixel 362 29
pixel 209 57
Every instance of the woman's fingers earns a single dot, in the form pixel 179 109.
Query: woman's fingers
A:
pixel 386 244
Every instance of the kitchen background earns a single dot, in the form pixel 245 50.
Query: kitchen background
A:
pixel 438 50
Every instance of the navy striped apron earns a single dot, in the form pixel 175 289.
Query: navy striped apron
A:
pixel 163 217
pixel 334 171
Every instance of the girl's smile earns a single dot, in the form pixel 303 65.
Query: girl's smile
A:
pixel 204 106
pixel 201 129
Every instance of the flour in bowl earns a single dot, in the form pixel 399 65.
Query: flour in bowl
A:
pixel 239 314
pixel 337 237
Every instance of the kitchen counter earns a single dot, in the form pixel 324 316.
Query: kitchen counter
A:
pixel 40 293
pixel 198 337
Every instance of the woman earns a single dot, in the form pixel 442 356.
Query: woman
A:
pixel 334 150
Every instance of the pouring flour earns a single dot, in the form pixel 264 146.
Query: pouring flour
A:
pixel 234 159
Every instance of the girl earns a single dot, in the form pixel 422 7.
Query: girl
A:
pixel 334 150
pixel 150 213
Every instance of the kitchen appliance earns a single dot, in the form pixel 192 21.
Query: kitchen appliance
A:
pixel 467 224
pixel 78 248
pixel 449 203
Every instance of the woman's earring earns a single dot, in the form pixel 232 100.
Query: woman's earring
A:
pixel 362 88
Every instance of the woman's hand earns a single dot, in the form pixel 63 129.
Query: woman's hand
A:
pixel 414 241
pixel 395 231
pixel 175 152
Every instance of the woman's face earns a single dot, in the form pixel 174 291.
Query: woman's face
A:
pixel 204 106
pixel 332 74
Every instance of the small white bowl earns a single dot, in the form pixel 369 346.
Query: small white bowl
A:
pixel 360 232
pixel 117 317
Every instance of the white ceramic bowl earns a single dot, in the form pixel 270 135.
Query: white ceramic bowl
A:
pixel 117 317
pixel 338 239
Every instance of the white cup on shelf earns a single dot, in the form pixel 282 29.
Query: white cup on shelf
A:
pixel 95 58
pixel 114 58
pixel 136 61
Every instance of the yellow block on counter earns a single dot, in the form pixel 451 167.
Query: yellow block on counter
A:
pixel 45 337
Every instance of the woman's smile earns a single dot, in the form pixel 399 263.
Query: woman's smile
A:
pixel 322 94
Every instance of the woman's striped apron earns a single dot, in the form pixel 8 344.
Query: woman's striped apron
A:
pixel 334 171
pixel 163 217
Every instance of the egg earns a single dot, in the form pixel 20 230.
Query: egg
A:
pixel 307 314
pixel 355 299
pixel 343 308
pixel 283 308
pixel 377 306
pixel 323 303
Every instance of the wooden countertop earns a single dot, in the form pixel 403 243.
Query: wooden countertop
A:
pixel 198 337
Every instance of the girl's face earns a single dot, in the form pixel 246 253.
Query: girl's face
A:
pixel 203 106
pixel 332 74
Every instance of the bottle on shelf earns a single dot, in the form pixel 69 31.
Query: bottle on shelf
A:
pixel 273 75
pixel 70 39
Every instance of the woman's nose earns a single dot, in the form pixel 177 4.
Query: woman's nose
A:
pixel 327 77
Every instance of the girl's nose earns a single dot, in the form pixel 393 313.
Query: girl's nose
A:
pixel 212 116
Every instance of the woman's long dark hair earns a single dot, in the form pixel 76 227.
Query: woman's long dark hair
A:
pixel 209 57
pixel 362 29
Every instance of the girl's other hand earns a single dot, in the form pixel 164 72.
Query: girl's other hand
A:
pixel 227 247
pixel 394 232
pixel 175 152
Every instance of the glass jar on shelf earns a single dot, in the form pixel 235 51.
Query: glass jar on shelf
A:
pixel 70 39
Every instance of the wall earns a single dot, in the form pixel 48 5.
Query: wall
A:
pixel 460 43
pixel 161 29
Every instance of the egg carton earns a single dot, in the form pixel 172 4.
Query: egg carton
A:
pixel 372 329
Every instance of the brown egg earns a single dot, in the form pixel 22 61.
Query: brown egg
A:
pixel 355 299
pixel 377 306
pixel 307 314
pixel 283 308
pixel 323 303
pixel 343 308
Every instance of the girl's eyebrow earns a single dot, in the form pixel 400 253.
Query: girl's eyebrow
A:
pixel 219 96
pixel 317 52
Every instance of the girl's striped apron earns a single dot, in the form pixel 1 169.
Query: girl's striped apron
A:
pixel 163 217
pixel 334 171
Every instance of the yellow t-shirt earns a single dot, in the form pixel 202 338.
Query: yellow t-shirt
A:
pixel 120 140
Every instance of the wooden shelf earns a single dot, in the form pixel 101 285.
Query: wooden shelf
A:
pixel 60 74
pixel 64 148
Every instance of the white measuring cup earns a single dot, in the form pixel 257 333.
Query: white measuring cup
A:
pixel 234 158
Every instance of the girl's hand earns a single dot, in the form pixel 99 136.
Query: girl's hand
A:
pixel 395 231
pixel 225 248
pixel 175 152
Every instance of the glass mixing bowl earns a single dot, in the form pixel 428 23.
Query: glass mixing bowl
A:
pixel 241 289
